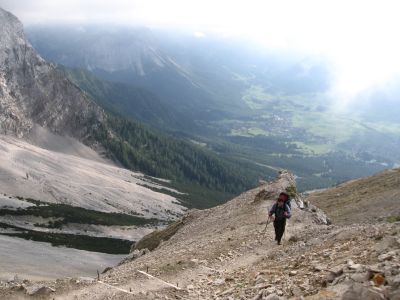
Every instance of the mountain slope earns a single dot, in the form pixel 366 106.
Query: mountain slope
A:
pixel 130 102
pixel 362 200
pixel 53 177
pixel 33 92
pixel 224 253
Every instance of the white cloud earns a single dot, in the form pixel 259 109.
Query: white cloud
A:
pixel 199 34
pixel 359 37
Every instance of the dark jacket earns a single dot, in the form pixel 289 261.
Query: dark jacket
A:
pixel 279 211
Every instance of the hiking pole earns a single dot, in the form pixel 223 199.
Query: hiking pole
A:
pixel 266 225
pixel 265 229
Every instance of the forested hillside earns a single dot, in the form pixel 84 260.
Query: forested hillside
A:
pixel 190 168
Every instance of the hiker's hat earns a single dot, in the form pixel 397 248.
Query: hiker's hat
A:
pixel 284 194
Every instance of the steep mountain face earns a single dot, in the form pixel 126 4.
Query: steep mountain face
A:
pixel 34 92
pixel 136 50
pixel 228 252
pixel 124 55
pixel 129 101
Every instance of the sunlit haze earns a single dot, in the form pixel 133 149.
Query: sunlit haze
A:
pixel 360 38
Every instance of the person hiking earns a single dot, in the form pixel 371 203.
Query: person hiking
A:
pixel 281 210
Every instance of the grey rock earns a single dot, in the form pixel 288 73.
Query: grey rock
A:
pixel 260 279
pixel 394 295
pixel 258 296
pixel 272 297
pixel 330 277
pixel 219 281
pixel 17 287
pixel 387 243
pixel 358 291
pixel 319 217
pixel 395 281
pixel 228 291
pixel 195 261
pixel 86 280
pixel 356 267
pixel 319 268
pixel 14 279
pixel 38 289
pixel 359 277
pixel 337 270
pixel 299 201
pixel 270 290
pixel 386 256
pixel 296 291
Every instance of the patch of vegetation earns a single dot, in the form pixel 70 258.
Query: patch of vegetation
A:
pixel 72 214
pixel 106 270
pixel 291 191
pixel 56 224
pixel 152 240
pixel 81 242
pixel 393 219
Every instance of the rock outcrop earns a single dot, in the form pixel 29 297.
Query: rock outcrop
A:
pixel 33 92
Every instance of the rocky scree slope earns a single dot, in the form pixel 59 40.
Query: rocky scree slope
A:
pixel 223 253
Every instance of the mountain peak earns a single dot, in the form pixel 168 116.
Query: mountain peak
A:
pixel 33 92
pixel 11 33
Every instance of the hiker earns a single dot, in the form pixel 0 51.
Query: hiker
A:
pixel 281 210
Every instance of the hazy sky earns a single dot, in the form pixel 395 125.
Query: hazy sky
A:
pixel 361 38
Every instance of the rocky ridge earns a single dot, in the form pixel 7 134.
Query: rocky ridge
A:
pixel 224 253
